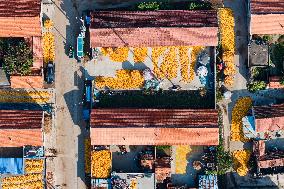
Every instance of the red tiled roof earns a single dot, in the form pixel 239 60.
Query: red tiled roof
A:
pixel 20 137
pixel 19 8
pixel 148 19
pixel 20 26
pixel 154 136
pixel 267 6
pixel 267 24
pixel 154 28
pixel 154 118
pixel 21 119
pixel 269 118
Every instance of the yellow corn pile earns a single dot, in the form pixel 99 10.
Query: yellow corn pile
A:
pixel 227 25
pixel 156 53
pixel 119 54
pixel 28 181
pixel 48 24
pixel 240 110
pixel 48 47
pixel 241 158
pixel 34 166
pixel 125 79
pixel 181 159
pixel 184 63
pixel 101 164
pixel 140 54
pixel 24 96
pixel 133 184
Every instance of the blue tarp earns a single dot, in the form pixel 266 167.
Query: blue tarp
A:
pixel 11 166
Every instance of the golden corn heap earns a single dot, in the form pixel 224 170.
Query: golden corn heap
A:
pixel 241 158
pixel 240 110
pixel 34 166
pixel 181 158
pixel 175 58
pixel 14 96
pixel 101 164
pixel 48 47
pixel 28 181
pixel 125 79
pixel 227 34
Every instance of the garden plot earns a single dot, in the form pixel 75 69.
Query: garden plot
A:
pixel 170 65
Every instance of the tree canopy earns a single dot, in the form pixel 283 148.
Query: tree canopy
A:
pixel 17 56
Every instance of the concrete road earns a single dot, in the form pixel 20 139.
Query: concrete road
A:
pixel 69 127
pixel 239 89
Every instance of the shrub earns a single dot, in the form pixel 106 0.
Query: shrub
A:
pixel 199 5
pixel 163 147
pixel 282 81
pixel 281 39
pixel 267 38
pixel 224 161
pixel 149 6
pixel 256 86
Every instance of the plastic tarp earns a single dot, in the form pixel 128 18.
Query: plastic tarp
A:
pixel 12 166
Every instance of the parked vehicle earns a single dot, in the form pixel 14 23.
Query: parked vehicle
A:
pixel 80 46
pixel 87 100
pixel 71 52
pixel 50 73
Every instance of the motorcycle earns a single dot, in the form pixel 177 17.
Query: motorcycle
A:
pixel 71 52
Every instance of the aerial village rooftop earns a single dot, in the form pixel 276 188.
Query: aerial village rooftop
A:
pixel 141 95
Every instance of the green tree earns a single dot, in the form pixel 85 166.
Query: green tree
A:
pixel 18 57
pixel 256 86
pixel 163 147
pixel 149 5
pixel 224 160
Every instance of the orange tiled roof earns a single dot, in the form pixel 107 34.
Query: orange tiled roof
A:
pixel 37 52
pixel 274 82
pixel 19 8
pixel 21 119
pixel 154 118
pixel 26 82
pixel 267 24
pixel 153 28
pixel 152 37
pixel 154 136
pixel 20 26
pixel 20 137
pixel 267 6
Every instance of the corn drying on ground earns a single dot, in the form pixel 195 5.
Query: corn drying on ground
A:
pixel 101 164
pixel 14 96
pixel 240 110
pixel 181 158
pixel 241 158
